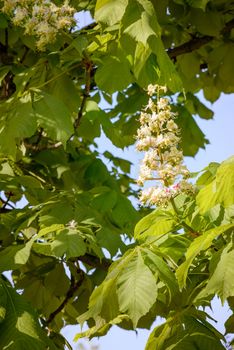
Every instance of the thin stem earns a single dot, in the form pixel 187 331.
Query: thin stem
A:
pixel 6 203
pixel 189 228
pixel 88 69
pixel 74 286
pixel 56 77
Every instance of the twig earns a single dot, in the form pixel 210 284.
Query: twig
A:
pixel 6 202
pixel 26 50
pixel 74 286
pixel 88 69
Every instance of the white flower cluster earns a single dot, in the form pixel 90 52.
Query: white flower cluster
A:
pixel 158 136
pixel 41 18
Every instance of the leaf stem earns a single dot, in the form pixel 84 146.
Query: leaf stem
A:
pixel 184 224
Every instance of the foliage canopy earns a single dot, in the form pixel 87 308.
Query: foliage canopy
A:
pixel 75 208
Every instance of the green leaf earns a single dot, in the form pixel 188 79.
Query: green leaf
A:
pixel 17 122
pixel 229 324
pixel 146 67
pixel 122 211
pixel 220 190
pixel 22 255
pixel 222 280
pixel 208 175
pixel 105 199
pixel 157 223
pixel 199 3
pixel 140 21
pixel 191 135
pixel 169 75
pixel 3 303
pixel 114 73
pixel 110 11
pixel 160 268
pixel 199 244
pixel 207 23
pixel 7 258
pixel 68 242
pixel 185 332
pixel 53 115
pixel 64 90
pixel 136 289
pixel 20 328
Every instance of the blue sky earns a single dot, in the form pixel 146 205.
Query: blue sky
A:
pixel 220 133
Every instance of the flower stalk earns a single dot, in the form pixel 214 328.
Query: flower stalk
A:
pixel 159 137
pixel 41 18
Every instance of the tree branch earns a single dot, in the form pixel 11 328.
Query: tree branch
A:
pixel 196 43
pixel 74 286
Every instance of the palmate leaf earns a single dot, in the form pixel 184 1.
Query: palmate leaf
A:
pixel 20 329
pixel 220 190
pixel 222 280
pixel 199 244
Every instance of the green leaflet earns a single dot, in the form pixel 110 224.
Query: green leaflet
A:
pixel 129 287
pixel 68 242
pixel 192 138
pixel 161 269
pixel 114 73
pixel 136 288
pixel 53 115
pixel 146 67
pixel 20 328
pixel 183 332
pixel 169 75
pixel 110 11
pixel 3 303
pixel 13 256
pixel 157 223
pixel 17 121
pixel 199 244
pixel 140 21
pixel 221 281
pixel 220 190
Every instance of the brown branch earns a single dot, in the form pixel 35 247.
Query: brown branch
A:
pixel 88 69
pixel 95 262
pixel 196 43
pixel 70 293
